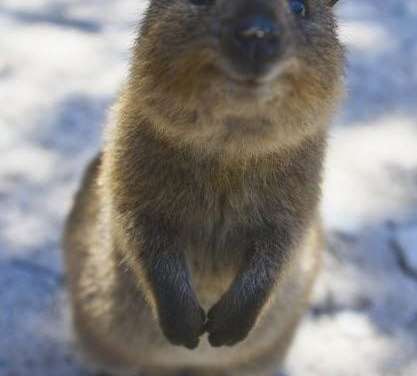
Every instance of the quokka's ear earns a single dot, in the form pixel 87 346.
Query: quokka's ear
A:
pixel 332 2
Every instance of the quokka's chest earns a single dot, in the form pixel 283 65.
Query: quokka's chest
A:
pixel 219 230
pixel 216 244
pixel 217 218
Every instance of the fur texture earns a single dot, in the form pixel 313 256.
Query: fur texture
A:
pixel 201 214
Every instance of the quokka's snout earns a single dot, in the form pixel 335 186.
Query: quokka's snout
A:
pixel 255 35
pixel 251 37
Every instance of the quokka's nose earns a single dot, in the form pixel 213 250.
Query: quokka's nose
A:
pixel 257 40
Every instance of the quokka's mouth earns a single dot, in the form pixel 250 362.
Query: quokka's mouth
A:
pixel 251 82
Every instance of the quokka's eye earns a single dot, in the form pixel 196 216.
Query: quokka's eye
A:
pixel 298 7
pixel 202 2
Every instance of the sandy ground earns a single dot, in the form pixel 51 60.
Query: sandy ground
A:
pixel 61 63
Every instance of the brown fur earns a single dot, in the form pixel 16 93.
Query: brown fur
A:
pixel 201 213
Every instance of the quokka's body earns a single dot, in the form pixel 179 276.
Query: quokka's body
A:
pixel 201 214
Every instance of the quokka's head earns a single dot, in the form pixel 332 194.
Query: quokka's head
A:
pixel 233 58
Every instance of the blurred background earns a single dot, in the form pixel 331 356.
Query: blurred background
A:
pixel 61 64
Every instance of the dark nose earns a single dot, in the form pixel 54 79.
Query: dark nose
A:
pixel 255 41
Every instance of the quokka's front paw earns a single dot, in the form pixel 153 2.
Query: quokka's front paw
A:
pixel 182 322
pixel 229 323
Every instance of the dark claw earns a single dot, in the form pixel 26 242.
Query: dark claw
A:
pixel 183 326
pixel 229 324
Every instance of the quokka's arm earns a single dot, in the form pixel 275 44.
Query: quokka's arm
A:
pixel 166 278
pixel 150 241
pixel 233 317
